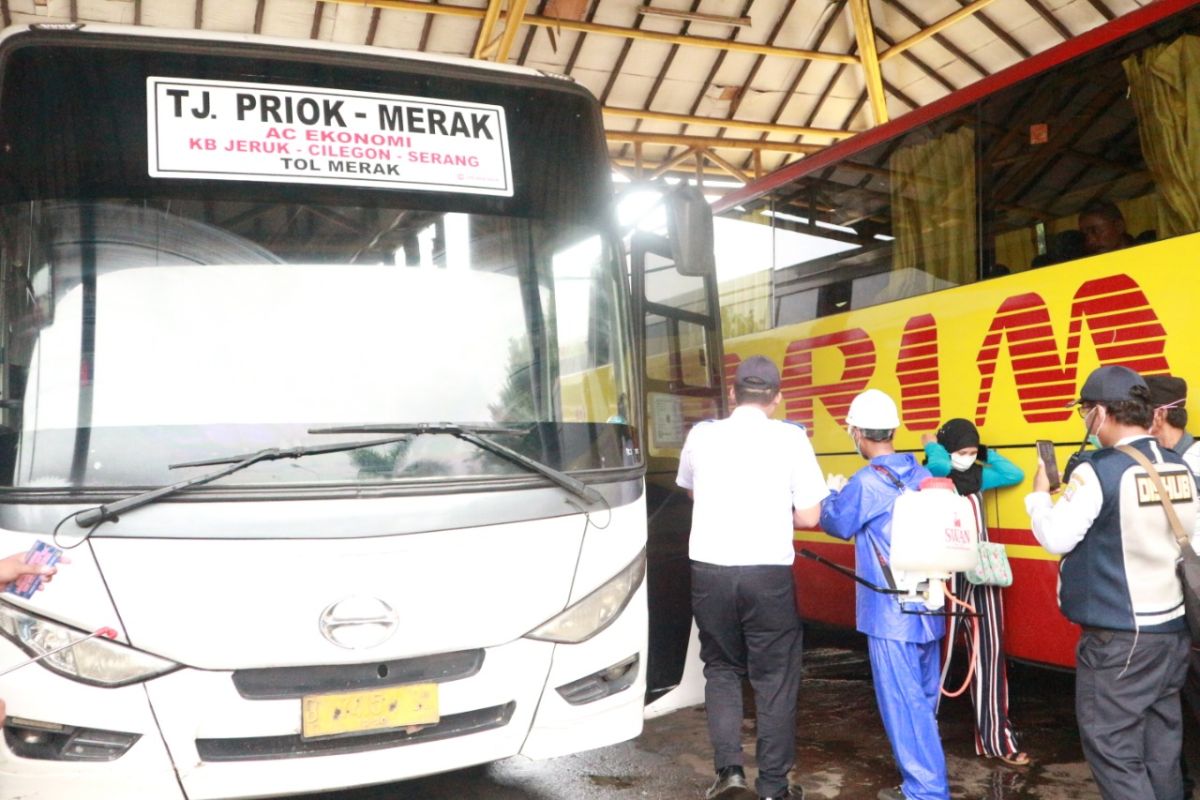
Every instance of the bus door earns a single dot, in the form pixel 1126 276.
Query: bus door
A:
pixel 677 320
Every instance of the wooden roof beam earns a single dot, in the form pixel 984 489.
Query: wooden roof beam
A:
pixel 868 51
pixel 952 48
pixel 606 30
pixel 485 41
pixel 667 166
pixel 1050 19
pixel 677 169
pixel 512 23
pixel 700 142
pixel 933 29
pixel 685 119
pixel 665 67
pixel 723 164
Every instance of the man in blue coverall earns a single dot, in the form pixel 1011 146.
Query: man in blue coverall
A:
pixel 903 647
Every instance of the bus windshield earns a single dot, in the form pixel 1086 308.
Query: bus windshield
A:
pixel 150 321
pixel 157 338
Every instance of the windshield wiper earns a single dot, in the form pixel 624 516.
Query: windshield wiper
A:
pixel 474 435
pixel 110 511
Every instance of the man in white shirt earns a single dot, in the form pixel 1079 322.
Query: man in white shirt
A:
pixel 1117 580
pixel 754 480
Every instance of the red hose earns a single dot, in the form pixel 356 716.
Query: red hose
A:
pixel 974 644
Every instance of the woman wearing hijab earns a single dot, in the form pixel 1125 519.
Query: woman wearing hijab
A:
pixel 957 453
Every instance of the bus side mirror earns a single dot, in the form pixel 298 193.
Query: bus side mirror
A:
pixel 690 230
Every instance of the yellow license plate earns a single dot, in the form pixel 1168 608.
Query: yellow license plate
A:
pixel 370 710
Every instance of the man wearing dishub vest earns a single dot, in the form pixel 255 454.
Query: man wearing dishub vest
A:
pixel 1117 580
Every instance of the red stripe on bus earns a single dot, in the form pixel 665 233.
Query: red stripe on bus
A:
pixel 915 336
pixel 1064 390
pixel 916 364
pixel 918 389
pixel 1043 335
pixel 1123 319
pixel 1036 362
pixel 1019 318
pixel 1105 286
pixel 921 402
pixel 1132 332
pixel 1056 402
pixel 1012 536
pixel 1114 353
pixel 1024 377
pixel 917 351
pixel 922 377
pixel 1028 348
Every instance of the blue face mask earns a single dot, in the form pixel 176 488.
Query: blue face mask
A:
pixel 1094 441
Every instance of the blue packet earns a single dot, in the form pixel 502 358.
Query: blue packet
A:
pixel 41 554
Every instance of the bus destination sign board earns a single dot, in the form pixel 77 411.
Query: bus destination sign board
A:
pixel 221 130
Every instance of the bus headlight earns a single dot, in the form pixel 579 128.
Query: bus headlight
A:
pixel 96 661
pixel 594 613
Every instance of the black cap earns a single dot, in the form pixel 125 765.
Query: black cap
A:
pixel 1111 384
pixel 1166 389
pixel 757 372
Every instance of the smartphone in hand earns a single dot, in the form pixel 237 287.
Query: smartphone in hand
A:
pixel 1045 449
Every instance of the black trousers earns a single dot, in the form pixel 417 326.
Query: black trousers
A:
pixel 749 628
pixel 1127 703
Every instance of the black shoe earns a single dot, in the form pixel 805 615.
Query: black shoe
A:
pixel 794 792
pixel 730 784
pixel 894 793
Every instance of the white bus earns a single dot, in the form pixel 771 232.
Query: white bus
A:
pixel 321 362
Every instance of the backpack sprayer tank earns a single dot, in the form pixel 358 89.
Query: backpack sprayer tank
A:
pixel 934 534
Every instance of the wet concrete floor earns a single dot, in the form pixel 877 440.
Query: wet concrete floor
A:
pixel 842 750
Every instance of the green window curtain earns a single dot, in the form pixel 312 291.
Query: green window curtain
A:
pixel 934 214
pixel 1016 249
pixel 1164 86
pixel 746 303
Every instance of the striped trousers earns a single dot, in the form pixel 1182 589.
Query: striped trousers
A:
pixel 994 734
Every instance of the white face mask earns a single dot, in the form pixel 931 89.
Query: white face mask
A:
pixel 961 462
pixel 853 438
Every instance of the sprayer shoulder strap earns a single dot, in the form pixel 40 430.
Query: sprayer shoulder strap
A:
pixel 890 477
pixel 1176 526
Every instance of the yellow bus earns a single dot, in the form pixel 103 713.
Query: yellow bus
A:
pixel 949 259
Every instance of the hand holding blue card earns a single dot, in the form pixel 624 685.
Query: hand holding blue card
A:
pixel 40 555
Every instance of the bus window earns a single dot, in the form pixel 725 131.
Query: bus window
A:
pixel 896 220
pixel 1078 162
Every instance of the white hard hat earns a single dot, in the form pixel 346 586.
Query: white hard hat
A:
pixel 873 411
